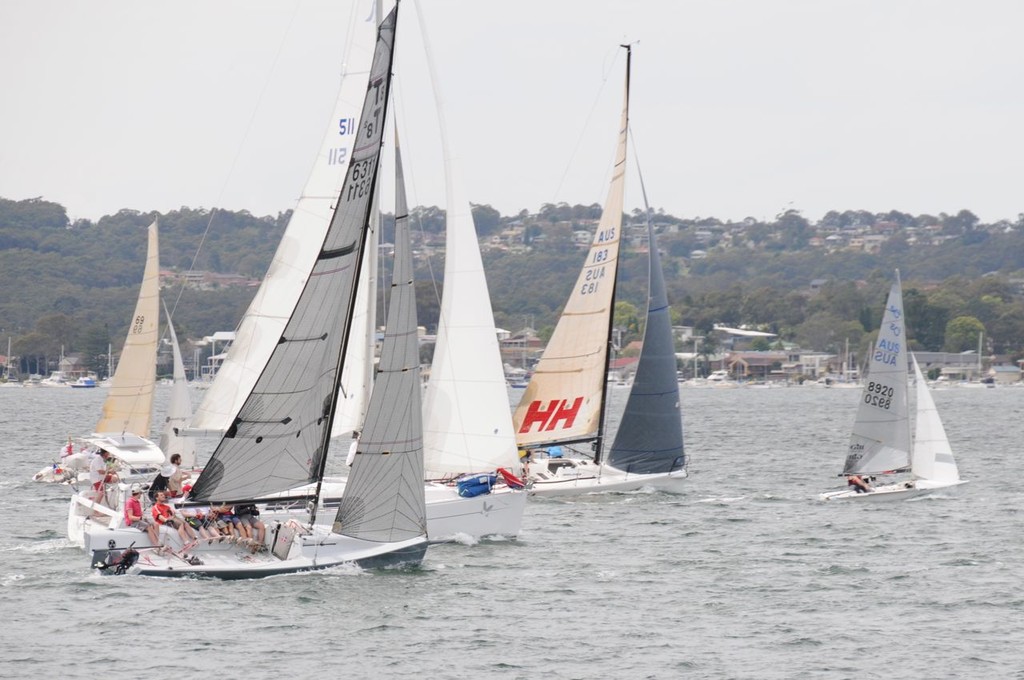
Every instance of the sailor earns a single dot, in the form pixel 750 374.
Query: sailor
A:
pixel 858 484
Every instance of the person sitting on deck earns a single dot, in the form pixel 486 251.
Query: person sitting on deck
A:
pixel 164 515
pixel 858 484
pixel 136 519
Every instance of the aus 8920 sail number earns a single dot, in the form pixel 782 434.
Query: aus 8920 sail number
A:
pixel 878 395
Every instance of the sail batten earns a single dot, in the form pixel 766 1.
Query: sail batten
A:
pixel 280 435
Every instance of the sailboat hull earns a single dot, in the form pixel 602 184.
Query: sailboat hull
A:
pixel 892 492
pixel 573 477
pixel 312 553
pixel 453 517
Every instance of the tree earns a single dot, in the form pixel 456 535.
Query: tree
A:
pixel 962 334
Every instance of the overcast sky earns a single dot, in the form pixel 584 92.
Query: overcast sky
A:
pixel 739 107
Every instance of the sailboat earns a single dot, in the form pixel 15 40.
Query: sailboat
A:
pixel 565 402
pixel 123 428
pixel 281 436
pixel 881 441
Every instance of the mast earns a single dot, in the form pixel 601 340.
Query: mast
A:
pixel 599 439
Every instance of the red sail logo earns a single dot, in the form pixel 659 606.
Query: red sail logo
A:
pixel 557 411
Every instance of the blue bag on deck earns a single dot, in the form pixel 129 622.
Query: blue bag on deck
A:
pixel 476 485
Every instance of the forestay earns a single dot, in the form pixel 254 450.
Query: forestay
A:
pixel 880 441
pixel 128 407
pixel 390 449
pixel 280 436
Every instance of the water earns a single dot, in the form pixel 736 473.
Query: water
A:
pixel 746 575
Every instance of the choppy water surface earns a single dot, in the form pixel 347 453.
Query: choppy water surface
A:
pixel 746 575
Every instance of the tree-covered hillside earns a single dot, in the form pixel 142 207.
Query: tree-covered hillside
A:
pixel 73 285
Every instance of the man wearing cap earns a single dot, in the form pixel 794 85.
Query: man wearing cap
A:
pixel 134 517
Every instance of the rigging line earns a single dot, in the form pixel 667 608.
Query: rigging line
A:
pixel 647 214
pixel 586 125
pixel 238 150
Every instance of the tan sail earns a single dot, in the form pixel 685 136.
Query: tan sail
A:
pixel 129 404
pixel 563 401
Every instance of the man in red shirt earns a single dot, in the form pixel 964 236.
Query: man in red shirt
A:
pixel 133 516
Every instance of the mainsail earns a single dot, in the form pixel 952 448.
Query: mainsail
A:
pixel 390 449
pixel 267 314
pixel 280 437
pixel 129 404
pixel 564 401
pixel 880 441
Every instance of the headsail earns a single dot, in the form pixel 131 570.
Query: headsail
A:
pixel 650 435
pixel 129 404
pixel 267 314
pixel 179 409
pixel 880 441
pixel 932 458
pixel 390 449
pixel 565 398
pixel 279 439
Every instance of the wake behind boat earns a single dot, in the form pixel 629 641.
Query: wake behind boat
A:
pixel 881 444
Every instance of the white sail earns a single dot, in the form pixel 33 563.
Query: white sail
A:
pixel 880 441
pixel 564 399
pixel 128 408
pixel 265 319
pixel 467 425
pixel 179 409
pixel 932 457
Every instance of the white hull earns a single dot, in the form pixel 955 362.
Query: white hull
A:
pixel 891 492
pixel 449 516
pixel 554 477
pixel 288 553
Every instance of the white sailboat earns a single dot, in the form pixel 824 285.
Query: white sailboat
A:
pixel 124 426
pixel 881 441
pixel 281 435
pixel 565 401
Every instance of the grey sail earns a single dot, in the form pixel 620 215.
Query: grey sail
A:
pixel 280 436
pixel 650 435
pixel 389 454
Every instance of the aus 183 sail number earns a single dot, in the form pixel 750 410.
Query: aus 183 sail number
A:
pixel 879 395
pixel 592 278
